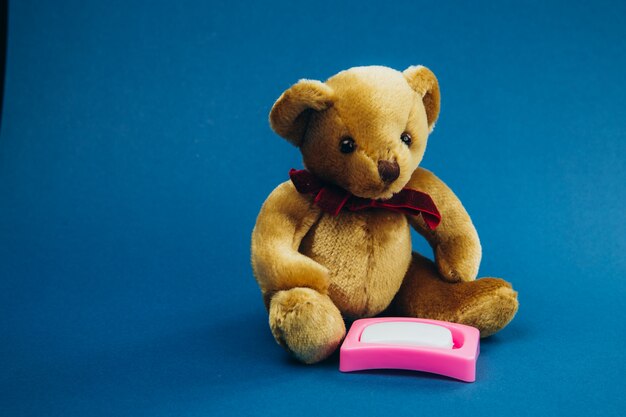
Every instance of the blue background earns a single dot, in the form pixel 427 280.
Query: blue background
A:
pixel 135 154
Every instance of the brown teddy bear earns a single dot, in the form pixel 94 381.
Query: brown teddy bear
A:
pixel 334 244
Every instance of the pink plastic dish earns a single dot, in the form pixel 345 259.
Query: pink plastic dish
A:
pixel 433 346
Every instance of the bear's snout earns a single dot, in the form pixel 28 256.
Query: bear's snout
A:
pixel 389 170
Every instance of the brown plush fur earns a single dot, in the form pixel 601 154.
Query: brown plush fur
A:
pixel 315 269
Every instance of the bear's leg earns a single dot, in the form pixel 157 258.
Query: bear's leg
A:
pixel 488 304
pixel 306 323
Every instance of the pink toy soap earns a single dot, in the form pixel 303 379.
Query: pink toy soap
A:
pixel 434 346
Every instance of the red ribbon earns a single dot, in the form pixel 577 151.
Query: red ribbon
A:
pixel 333 199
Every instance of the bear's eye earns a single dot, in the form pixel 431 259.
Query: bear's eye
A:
pixel 406 138
pixel 347 145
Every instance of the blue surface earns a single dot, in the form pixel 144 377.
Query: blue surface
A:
pixel 135 154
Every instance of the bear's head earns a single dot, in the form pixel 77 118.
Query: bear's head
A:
pixel 364 129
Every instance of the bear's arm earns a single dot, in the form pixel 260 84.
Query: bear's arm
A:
pixel 455 241
pixel 284 220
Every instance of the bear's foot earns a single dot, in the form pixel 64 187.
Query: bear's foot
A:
pixel 306 323
pixel 488 304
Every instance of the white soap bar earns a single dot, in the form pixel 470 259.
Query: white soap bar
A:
pixel 408 333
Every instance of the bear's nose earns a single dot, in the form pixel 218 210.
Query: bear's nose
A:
pixel 389 170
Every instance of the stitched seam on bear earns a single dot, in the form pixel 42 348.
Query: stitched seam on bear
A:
pixel 368 270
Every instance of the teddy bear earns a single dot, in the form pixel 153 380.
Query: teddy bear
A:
pixel 332 243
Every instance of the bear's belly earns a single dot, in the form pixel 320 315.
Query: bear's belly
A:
pixel 367 254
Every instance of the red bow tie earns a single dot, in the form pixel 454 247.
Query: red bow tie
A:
pixel 332 199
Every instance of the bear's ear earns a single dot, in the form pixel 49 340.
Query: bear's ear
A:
pixel 291 112
pixel 422 80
